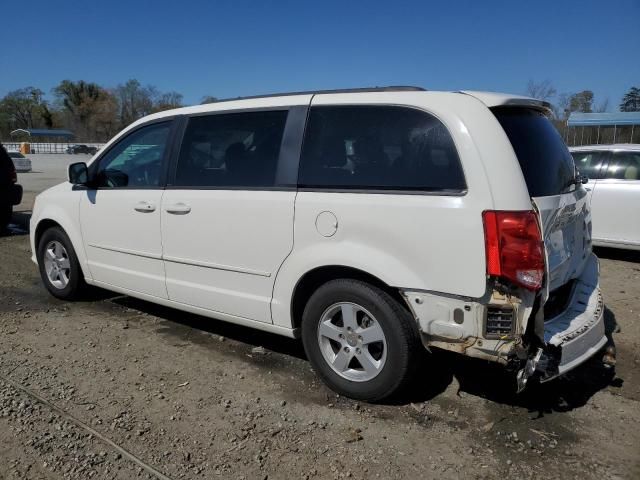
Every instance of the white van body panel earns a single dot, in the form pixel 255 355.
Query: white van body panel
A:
pixel 122 238
pixel 237 254
pixel 60 204
pixel 225 253
pixel 438 240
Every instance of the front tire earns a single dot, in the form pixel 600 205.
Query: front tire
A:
pixel 361 341
pixel 59 266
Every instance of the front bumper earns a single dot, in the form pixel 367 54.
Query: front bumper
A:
pixel 578 333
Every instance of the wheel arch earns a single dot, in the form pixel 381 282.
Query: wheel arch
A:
pixel 51 219
pixel 42 226
pixel 316 277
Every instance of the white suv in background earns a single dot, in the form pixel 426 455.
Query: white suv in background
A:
pixel 614 190
pixel 370 222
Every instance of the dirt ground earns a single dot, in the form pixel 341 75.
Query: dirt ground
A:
pixel 114 387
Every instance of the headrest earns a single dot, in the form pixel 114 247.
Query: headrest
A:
pixel 234 156
pixel 334 153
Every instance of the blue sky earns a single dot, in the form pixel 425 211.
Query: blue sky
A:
pixel 232 48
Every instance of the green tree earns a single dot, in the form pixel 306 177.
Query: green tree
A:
pixel 24 107
pixel 88 109
pixel 581 102
pixel 631 100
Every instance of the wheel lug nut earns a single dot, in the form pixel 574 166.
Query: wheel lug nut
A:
pixel 358 351
pixel 346 349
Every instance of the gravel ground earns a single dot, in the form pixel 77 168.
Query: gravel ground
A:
pixel 114 387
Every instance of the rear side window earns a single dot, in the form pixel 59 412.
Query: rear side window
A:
pixel 590 163
pixel 378 147
pixel 623 166
pixel 546 163
pixel 231 150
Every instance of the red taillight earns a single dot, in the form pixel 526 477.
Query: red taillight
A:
pixel 514 247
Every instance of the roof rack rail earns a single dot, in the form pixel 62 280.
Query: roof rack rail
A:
pixel 395 88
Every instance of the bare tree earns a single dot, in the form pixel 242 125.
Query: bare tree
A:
pixel 603 106
pixel 167 101
pixel 134 100
pixel 543 90
pixel 561 107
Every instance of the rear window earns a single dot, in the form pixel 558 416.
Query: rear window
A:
pixel 16 155
pixel 546 163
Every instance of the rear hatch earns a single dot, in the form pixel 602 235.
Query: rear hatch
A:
pixel 550 175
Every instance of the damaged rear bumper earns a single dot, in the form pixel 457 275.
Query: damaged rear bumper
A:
pixel 578 333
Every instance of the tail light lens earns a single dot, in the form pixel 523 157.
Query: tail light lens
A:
pixel 514 247
pixel 13 174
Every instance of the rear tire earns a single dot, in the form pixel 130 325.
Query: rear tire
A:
pixel 59 266
pixel 361 341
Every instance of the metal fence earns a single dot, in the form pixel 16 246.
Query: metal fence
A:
pixel 51 147
pixel 576 136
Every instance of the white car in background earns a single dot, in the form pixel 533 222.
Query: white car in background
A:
pixel 22 163
pixel 614 188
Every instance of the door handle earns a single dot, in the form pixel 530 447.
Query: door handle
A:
pixel 178 209
pixel 145 207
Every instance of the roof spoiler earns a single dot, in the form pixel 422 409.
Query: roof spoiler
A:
pixel 492 99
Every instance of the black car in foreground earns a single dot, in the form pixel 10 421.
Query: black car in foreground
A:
pixel 81 149
pixel 10 191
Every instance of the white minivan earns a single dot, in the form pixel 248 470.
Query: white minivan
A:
pixel 371 223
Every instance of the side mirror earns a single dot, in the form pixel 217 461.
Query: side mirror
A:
pixel 78 173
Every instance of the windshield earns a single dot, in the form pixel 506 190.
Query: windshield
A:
pixel 546 163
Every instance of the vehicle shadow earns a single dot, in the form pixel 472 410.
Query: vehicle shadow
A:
pixel 493 382
pixel 180 323
pixel 436 372
pixel 19 224
pixel 618 254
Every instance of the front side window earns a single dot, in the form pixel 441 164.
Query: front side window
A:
pixel 380 148
pixel 136 161
pixel 231 150
pixel 590 164
pixel 624 166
